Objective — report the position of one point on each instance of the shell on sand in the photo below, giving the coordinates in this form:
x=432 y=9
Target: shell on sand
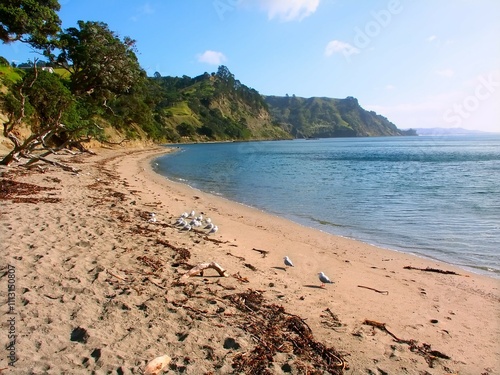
x=156 y=366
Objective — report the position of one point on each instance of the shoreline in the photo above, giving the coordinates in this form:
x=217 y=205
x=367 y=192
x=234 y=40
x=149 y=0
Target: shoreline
x=479 y=270
x=89 y=258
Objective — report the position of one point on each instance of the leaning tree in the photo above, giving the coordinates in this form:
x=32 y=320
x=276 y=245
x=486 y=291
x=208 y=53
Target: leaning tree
x=45 y=103
x=101 y=67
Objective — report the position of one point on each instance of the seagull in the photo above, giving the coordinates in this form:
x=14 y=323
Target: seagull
x=195 y=223
x=210 y=226
x=184 y=215
x=324 y=279
x=152 y=217
x=208 y=220
x=192 y=214
x=180 y=221
x=186 y=227
x=288 y=262
x=214 y=229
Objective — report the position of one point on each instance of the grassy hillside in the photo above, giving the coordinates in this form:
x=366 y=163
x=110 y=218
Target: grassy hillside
x=214 y=107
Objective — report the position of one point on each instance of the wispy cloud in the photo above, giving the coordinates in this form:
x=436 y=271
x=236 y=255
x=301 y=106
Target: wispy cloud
x=431 y=38
x=390 y=87
x=448 y=73
x=337 y=46
x=287 y=10
x=144 y=9
x=212 y=57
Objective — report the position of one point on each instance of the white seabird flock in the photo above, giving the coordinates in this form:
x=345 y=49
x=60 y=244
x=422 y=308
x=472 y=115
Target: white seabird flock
x=186 y=222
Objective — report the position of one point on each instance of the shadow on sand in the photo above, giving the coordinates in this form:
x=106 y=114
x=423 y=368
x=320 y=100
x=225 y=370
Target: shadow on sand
x=314 y=286
x=280 y=268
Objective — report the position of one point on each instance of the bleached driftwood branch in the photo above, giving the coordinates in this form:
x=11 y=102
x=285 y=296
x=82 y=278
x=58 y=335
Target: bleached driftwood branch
x=203 y=266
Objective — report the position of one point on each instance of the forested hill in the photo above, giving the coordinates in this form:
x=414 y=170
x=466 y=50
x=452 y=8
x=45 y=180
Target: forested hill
x=327 y=117
x=213 y=106
x=217 y=106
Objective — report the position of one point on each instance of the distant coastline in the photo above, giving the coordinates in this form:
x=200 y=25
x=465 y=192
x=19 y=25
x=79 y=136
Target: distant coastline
x=450 y=131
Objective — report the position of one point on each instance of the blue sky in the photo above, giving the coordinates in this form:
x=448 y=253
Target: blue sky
x=420 y=63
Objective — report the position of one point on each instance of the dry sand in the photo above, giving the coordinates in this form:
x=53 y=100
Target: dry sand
x=97 y=287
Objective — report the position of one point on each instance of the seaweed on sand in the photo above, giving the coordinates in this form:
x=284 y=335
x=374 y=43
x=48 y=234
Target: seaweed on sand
x=276 y=331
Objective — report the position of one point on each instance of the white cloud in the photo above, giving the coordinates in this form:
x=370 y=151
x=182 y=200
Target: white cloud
x=212 y=57
x=446 y=72
x=287 y=10
x=337 y=46
x=431 y=38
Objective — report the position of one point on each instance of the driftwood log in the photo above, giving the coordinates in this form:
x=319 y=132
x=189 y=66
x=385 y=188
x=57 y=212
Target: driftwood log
x=198 y=269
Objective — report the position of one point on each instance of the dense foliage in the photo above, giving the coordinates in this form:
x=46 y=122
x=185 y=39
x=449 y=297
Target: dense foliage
x=29 y=21
x=101 y=66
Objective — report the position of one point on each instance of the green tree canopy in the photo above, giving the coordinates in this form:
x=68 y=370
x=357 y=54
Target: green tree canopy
x=49 y=97
x=101 y=65
x=29 y=21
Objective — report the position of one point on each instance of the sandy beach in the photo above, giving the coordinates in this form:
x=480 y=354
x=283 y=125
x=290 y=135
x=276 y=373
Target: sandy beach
x=90 y=284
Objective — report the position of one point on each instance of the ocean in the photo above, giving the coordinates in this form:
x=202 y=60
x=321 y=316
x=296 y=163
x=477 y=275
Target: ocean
x=436 y=197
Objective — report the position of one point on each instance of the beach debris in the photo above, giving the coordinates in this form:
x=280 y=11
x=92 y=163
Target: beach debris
x=117 y=276
x=324 y=279
x=240 y=278
x=236 y=256
x=262 y=252
x=248 y=265
x=277 y=331
x=330 y=319
x=288 y=262
x=429 y=269
x=152 y=217
x=157 y=365
x=155 y=264
x=424 y=349
x=214 y=240
x=14 y=190
x=386 y=292
x=198 y=269
x=183 y=254
x=79 y=334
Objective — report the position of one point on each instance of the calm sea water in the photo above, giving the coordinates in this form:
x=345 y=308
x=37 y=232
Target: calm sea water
x=437 y=197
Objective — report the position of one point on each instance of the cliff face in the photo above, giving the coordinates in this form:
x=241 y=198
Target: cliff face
x=328 y=117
